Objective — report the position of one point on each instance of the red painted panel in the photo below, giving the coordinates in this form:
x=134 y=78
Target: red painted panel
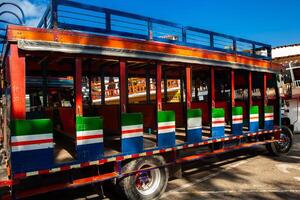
x=232 y=89
x=17 y=82
x=111 y=120
x=223 y=104
x=178 y=109
x=148 y=111
x=243 y=104
x=158 y=87
x=212 y=86
x=123 y=84
x=188 y=85
x=204 y=106
x=265 y=90
x=67 y=120
x=250 y=88
x=78 y=86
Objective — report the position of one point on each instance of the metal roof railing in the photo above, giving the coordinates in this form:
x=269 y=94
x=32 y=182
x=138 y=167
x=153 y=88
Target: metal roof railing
x=67 y=14
x=17 y=13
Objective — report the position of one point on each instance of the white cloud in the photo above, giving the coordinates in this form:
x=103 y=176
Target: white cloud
x=33 y=11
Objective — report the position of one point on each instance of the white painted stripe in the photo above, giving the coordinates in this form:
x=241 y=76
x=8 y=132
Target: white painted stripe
x=218 y=124
x=89 y=133
x=166 y=123
x=218 y=119
x=237 y=122
x=32 y=147
x=23 y=138
x=194 y=122
x=169 y=130
x=193 y=128
x=237 y=117
x=55 y=170
x=254 y=115
x=90 y=141
x=269 y=114
x=131 y=135
x=32 y=173
x=269 y=119
x=132 y=127
x=75 y=166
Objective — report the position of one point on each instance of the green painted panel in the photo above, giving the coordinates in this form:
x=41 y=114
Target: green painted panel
x=194 y=113
x=254 y=110
x=237 y=110
x=218 y=112
x=89 y=123
x=166 y=116
x=269 y=109
x=128 y=119
x=31 y=127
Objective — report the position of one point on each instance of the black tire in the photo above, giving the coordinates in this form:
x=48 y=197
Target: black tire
x=283 y=147
x=157 y=180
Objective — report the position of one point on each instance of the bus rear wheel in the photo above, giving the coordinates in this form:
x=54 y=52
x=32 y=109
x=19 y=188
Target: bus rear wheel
x=144 y=185
x=283 y=146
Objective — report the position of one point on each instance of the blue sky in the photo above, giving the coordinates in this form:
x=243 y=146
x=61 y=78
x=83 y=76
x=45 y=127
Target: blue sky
x=275 y=22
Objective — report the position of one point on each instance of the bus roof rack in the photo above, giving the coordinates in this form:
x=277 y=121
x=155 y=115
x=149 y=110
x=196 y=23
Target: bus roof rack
x=70 y=15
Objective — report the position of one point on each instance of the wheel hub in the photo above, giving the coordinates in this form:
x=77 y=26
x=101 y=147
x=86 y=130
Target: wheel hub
x=147 y=182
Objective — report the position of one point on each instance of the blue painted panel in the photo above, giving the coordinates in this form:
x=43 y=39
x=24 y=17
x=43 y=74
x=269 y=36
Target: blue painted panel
x=237 y=129
x=217 y=132
x=194 y=136
x=166 y=140
x=253 y=126
x=25 y=161
x=269 y=125
x=90 y=152
x=132 y=145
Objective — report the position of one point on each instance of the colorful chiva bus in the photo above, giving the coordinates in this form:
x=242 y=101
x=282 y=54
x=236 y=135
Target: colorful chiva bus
x=98 y=103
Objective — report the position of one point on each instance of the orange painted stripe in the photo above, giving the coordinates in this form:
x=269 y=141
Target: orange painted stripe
x=71 y=37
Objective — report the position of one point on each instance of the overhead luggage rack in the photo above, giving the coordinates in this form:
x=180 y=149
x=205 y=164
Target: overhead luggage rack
x=70 y=15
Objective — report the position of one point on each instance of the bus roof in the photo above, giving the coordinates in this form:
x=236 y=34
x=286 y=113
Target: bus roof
x=73 y=27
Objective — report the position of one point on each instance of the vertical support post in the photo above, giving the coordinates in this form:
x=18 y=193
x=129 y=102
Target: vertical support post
x=17 y=76
x=123 y=85
x=250 y=89
x=232 y=89
x=102 y=87
x=265 y=90
x=54 y=14
x=78 y=86
x=148 y=85
x=158 y=87
x=188 y=85
x=212 y=87
x=234 y=46
x=45 y=85
x=211 y=38
x=253 y=110
x=90 y=90
x=165 y=88
x=108 y=22
x=183 y=35
x=150 y=31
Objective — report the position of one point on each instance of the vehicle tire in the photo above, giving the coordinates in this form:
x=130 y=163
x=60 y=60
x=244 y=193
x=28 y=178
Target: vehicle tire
x=283 y=146
x=144 y=185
